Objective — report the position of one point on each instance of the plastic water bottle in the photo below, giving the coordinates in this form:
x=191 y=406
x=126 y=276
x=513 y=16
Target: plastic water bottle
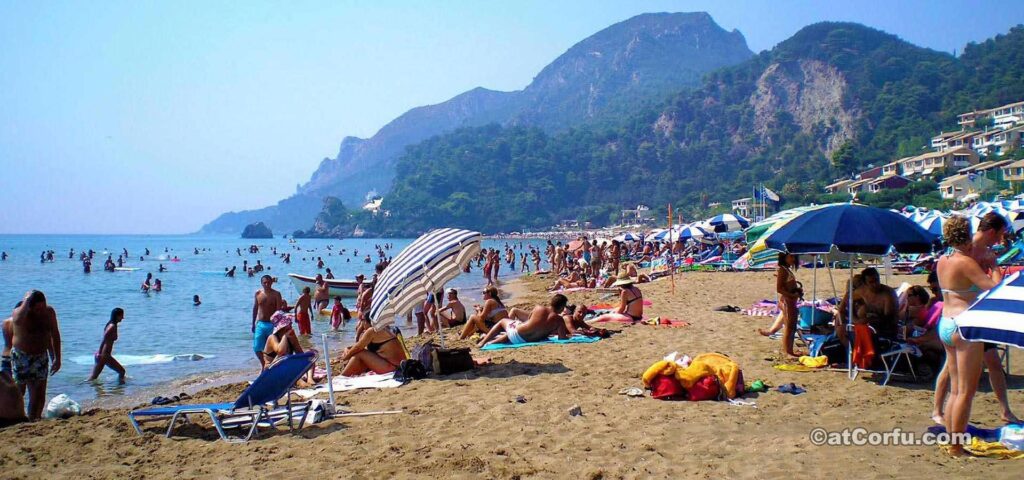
x=1012 y=437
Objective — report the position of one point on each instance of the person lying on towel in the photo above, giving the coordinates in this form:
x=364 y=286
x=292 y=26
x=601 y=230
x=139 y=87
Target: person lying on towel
x=539 y=324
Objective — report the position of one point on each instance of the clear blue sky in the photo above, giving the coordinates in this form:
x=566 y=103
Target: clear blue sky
x=154 y=117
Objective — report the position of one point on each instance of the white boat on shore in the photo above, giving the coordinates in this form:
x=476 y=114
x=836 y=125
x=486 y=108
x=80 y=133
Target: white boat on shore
x=339 y=288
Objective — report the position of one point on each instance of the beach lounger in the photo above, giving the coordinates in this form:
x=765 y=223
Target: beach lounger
x=256 y=406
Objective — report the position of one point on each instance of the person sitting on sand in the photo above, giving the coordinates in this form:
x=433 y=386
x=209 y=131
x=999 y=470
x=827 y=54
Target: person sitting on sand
x=842 y=317
x=379 y=351
x=877 y=304
x=542 y=322
x=283 y=342
x=631 y=303
x=487 y=315
x=630 y=271
x=454 y=313
x=104 y=355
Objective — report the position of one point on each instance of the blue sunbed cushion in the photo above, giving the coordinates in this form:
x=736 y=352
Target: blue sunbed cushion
x=172 y=409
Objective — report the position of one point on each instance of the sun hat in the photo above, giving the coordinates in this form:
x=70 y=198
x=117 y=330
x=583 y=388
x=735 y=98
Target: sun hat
x=281 y=320
x=623 y=282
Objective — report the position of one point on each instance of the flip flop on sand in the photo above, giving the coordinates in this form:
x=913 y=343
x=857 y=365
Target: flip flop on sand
x=790 y=388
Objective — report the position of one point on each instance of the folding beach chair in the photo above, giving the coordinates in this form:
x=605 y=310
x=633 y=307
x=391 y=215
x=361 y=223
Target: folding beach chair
x=897 y=351
x=256 y=406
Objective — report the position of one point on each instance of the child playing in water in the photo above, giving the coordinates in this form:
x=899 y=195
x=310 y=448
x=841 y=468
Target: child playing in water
x=339 y=314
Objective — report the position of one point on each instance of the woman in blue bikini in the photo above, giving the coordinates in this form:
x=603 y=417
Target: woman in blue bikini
x=961 y=280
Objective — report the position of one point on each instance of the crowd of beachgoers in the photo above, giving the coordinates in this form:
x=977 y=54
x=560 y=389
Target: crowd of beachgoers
x=870 y=318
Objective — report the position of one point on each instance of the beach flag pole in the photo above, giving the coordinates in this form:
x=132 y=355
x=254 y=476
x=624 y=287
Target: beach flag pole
x=672 y=266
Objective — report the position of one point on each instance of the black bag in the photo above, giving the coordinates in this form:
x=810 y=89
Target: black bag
x=410 y=370
x=835 y=351
x=451 y=360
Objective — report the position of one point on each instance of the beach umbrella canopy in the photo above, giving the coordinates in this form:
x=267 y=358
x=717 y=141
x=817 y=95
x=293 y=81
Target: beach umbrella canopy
x=728 y=222
x=997 y=316
x=851 y=228
x=933 y=224
x=433 y=259
x=690 y=232
x=628 y=237
x=661 y=234
x=1017 y=220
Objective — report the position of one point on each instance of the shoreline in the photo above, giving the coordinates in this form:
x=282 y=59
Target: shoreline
x=513 y=290
x=509 y=418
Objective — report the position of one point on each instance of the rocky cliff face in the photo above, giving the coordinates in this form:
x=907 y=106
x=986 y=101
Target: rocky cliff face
x=366 y=164
x=812 y=95
x=642 y=59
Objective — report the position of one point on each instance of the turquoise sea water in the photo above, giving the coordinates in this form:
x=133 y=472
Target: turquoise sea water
x=164 y=338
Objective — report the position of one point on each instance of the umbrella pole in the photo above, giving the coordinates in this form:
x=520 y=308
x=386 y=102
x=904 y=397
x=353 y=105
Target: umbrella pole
x=849 y=325
x=330 y=384
x=835 y=292
x=814 y=283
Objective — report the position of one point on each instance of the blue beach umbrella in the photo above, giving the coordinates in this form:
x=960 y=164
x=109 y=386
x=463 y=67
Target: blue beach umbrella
x=997 y=316
x=426 y=265
x=851 y=228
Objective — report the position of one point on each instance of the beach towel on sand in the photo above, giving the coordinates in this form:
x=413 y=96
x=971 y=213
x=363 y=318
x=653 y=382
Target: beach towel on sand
x=342 y=384
x=550 y=341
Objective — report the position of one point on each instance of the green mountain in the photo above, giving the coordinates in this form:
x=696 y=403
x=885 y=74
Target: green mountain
x=639 y=61
x=825 y=103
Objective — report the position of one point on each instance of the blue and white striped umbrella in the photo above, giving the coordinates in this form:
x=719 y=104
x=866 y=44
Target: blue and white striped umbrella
x=690 y=232
x=933 y=224
x=628 y=237
x=728 y=222
x=424 y=266
x=997 y=316
x=661 y=234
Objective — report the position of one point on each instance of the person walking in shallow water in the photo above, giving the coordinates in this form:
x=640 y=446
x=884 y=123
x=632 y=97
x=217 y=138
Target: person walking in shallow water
x=104 y=355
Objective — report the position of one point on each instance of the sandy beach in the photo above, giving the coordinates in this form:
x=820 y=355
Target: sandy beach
x=471 y=426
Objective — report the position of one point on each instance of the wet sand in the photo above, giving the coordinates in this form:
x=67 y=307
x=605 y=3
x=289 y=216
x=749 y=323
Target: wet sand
x=471 y=426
